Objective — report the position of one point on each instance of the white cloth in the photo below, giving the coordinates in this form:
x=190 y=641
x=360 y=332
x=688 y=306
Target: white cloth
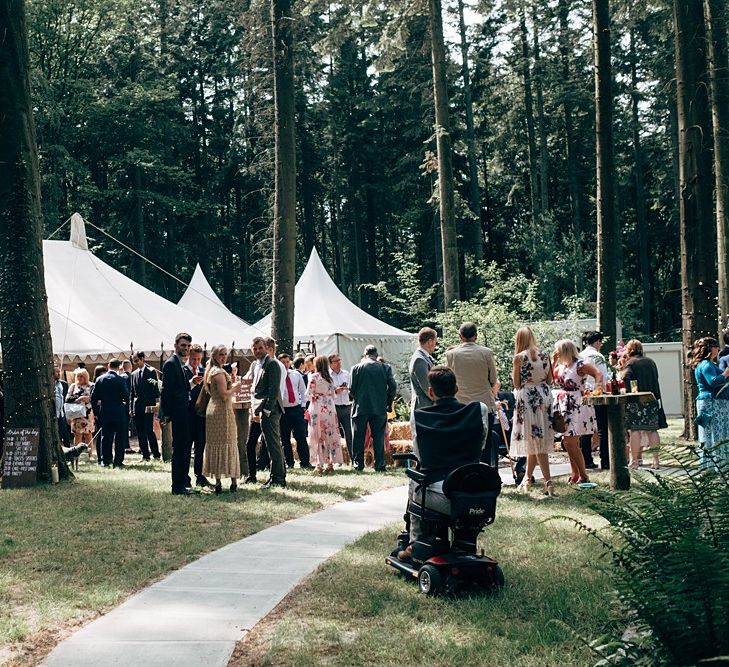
x=341 y=397
x=59 y=399
x=297 y=384
x=485 y=420
x=282 y=385
x=591 y=356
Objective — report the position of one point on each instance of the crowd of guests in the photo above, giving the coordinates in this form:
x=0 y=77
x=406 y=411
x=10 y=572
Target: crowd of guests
x=238 y=425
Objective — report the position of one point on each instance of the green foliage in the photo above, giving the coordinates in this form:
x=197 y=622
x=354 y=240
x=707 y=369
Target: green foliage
x=669 y=542
x=504 y=303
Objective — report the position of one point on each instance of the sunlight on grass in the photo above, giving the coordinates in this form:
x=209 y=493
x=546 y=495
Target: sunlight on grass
x=77 y=549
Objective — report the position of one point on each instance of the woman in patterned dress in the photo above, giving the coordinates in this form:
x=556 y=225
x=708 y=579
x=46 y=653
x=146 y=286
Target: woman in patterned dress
x=532 y=436
x=220 y=458
x=80 y=392
x=713 y=412
x=325 y=445
x=570 y=373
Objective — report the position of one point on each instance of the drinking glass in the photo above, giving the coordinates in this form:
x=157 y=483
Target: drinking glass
x=634 y=386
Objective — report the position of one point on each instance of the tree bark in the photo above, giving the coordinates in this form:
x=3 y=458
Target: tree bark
x=449 y=239
x=716 y=34
x=474 y=193
x=697 y=229
x=24 y=324
x=607 y=228
x=572 y=184
x=284 y=226
x=139 y=268
x=529 y=117
x=541 y=124
x=640 y=208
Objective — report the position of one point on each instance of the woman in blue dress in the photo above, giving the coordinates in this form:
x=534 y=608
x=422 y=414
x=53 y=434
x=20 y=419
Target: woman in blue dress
x=712 y=404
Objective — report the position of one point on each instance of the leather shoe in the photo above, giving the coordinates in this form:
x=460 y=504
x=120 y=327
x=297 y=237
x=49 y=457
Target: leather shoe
x=308 y=466
x=406 y=553
x=250 y=480
x=202 y=481
x=187 y=491
x=270 y=484
x=119 y=465
x=591 y=466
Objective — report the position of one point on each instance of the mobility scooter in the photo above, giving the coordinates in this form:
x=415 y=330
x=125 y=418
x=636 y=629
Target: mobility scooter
x=445 y=559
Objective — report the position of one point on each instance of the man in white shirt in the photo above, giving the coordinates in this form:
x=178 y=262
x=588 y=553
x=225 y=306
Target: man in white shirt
x=342 y=401
x=592 y=343
x=292 y=420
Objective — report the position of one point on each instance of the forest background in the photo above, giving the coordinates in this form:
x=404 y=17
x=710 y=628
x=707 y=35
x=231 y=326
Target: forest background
x=155 y=121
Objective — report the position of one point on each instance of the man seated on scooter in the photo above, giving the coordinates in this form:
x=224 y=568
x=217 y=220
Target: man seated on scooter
x=450 y=434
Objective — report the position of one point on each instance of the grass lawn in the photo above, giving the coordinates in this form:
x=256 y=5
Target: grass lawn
x=72 y=551
x=356 y=611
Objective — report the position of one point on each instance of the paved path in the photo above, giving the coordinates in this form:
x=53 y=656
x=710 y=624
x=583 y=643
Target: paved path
x=196 y=615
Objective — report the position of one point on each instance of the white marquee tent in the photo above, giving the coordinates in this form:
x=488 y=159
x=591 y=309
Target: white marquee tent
x=324 y=315
x=97 y=312
x=200 y=298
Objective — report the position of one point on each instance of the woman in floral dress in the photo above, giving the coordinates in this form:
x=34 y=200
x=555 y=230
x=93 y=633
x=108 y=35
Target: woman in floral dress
x=80 y=392
x=532 y=436
x=325 y=445
x=570 y=372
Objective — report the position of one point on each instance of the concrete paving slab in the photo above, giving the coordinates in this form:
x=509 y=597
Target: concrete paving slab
x=148 y=654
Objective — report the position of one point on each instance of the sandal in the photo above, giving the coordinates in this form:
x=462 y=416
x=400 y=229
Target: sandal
x=549 y=488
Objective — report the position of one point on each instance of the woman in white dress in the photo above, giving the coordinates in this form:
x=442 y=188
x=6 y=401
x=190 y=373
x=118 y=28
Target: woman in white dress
x=532 y=434
x=570 y=374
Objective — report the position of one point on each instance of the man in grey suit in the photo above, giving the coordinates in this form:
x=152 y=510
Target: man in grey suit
x=476 y=376
x=373 y=390
x=267 y=408
x=420 y=364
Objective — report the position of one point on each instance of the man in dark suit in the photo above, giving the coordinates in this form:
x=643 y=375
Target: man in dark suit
x=144 y=395
x=267 y=408
x=111 y=396
x=373 y=391
x=175 y=402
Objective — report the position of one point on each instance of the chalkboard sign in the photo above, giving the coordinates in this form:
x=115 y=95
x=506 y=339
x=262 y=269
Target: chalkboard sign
x=20 y=459
x=243 y=395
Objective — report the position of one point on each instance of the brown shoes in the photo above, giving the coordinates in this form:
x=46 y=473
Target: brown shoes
x=406 y=553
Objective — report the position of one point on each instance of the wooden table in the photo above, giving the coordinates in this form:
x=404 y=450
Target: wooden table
x=619 y=473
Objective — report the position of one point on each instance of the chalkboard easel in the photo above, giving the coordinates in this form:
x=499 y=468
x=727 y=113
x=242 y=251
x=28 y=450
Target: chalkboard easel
x=20 y=458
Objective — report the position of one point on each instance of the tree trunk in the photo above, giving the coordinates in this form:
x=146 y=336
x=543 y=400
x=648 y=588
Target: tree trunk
x=607 y=228
x=24 y=324
x=449 y=239
x=640 y=208
x=697 y=229
x=529 y=113
x=572 y=184
x=487 y=212
x=307 y=189
x=284 y=226
x=476 y=235
x=716 y=34
x=139 y=269
x=541 y=125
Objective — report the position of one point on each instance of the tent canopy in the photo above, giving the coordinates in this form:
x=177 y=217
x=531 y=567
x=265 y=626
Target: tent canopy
x=97 y=312
x=201 y=299
x=323 y=314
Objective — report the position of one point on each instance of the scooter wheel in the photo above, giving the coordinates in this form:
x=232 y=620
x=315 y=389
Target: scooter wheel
x=499 y=577
x=429 y=580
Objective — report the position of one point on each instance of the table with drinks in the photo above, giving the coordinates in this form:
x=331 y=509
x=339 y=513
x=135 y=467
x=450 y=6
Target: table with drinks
x=615 y=398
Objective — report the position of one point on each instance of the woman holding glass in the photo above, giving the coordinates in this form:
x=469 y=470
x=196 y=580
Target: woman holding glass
x=642 y=419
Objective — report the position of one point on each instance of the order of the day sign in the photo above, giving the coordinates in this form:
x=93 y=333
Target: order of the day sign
x=20 y=458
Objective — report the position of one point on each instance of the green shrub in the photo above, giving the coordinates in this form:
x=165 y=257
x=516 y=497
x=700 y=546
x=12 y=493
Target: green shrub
x=669 y=541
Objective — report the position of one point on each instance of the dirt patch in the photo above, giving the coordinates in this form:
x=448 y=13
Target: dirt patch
x=37 y=646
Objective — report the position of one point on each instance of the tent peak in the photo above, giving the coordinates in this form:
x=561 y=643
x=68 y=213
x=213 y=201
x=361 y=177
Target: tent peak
x=78 y=232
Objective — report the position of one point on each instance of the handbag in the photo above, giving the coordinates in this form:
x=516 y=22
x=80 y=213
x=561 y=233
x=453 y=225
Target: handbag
x=559 y=423
x=201 y=404
x=75 y=411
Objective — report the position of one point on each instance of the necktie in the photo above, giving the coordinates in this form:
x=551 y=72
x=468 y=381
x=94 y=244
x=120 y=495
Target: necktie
x=290 y=389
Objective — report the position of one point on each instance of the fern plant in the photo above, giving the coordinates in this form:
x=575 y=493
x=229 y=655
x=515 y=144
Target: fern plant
x=669 y=541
